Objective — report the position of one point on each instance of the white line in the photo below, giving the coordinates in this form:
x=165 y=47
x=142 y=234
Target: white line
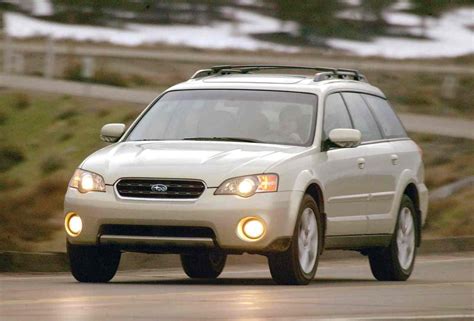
x=405 y=317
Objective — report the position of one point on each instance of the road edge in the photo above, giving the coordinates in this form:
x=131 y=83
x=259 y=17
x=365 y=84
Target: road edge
x=13 y=261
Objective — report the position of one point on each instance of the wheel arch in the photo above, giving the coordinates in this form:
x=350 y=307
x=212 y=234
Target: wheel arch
x=315 y=191
x=412 y=192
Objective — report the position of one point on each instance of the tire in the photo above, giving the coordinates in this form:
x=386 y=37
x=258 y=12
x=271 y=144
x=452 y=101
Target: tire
x=203 y=266
x=93 y=264
x=396 y=262
x=286 y=267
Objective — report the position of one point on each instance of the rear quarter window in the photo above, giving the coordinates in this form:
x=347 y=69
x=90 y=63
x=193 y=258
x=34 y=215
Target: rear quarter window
x=388 y=121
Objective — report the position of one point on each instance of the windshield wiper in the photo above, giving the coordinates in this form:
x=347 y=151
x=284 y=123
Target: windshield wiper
x=227 y=139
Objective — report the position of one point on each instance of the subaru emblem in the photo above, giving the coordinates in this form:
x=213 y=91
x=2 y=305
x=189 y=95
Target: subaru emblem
x=159 y=188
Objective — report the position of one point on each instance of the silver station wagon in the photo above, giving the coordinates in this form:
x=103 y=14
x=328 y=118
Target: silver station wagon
x=241 y=159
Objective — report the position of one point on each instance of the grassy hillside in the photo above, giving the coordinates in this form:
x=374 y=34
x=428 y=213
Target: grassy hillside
x=45 y=137
x=447 y=160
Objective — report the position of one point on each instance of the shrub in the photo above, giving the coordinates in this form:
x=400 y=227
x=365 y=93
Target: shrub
x=103 y=112
x=67 y=114
x=65 y=136
x=73 y=71
x=3 y=118
x=9 y=157
x=22 y=101
x=7 y=184
x=104 y=76
x=27 y=217
x=51 y=164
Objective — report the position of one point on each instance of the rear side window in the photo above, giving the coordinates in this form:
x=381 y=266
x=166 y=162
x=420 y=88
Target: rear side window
x=362 y=117
x=388 y=120
x=335 y=114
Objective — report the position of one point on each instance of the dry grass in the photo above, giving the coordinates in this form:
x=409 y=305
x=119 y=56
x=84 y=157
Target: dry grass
x=446 y=159
x=41 y=146
x=28 y=217
x=452 y=216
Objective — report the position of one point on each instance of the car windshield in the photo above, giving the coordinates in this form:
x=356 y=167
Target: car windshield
x=253 y=116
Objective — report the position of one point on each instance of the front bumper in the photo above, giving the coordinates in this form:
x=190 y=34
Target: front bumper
x=221 y=213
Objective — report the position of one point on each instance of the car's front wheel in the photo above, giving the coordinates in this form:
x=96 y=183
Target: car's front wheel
x=298 y=264
x=93 y=264
x=203 y=266
x=396 y=262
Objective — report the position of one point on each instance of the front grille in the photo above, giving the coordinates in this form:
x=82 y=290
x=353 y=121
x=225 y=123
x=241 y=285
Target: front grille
x=153 y=188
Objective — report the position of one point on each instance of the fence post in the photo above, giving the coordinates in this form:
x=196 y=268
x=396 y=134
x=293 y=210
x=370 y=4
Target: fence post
x=7 y=54
x=18 y=65
x=87 y=67
x=50 y=58
x=449 y=87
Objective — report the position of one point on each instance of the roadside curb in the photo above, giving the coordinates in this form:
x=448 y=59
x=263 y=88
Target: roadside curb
x=12 y=261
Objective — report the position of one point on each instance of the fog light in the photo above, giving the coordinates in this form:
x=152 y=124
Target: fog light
x=73 y=224
x=251 y=229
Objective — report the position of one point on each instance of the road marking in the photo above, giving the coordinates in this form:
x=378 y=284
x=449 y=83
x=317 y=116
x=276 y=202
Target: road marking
x=402 y=317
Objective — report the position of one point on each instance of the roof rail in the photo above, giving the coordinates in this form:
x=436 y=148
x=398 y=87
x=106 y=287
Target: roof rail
x=324 y=73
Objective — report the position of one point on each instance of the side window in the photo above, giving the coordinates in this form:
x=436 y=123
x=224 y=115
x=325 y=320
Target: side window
x=362 y=117
x=388 y=120
x=335 y=115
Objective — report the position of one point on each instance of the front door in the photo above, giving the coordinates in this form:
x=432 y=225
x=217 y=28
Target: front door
x=343 y=175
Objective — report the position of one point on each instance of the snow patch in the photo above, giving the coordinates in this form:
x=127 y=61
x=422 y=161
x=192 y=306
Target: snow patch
x=221 y=35
x=448 y=37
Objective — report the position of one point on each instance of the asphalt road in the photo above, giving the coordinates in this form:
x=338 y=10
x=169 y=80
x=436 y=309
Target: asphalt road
x=442 y=287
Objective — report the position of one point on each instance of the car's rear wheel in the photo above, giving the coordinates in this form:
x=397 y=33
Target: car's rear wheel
x=298 y=264
x=203 y=266
x=93 y=264
x=396 y=262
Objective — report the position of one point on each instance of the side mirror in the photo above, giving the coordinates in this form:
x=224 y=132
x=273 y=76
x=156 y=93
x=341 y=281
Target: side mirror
x=345 y=137
x=111 y=133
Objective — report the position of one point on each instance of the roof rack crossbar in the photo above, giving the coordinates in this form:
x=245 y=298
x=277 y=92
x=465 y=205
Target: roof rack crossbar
x=263 y=67
x=355 y=72
x=323 y=72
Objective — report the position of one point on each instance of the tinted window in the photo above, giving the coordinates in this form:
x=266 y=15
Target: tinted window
x=264 y=116
x=335 y=115
x=388 y=121
x=362 y=117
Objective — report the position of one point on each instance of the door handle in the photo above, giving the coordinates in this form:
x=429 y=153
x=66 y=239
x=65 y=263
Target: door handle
x=394 y=159
x=361 y=163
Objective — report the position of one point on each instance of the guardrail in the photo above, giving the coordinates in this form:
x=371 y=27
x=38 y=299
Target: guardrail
x=14 y=58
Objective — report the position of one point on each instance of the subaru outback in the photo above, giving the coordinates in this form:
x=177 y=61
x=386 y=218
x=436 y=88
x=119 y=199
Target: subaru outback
x=241 y=159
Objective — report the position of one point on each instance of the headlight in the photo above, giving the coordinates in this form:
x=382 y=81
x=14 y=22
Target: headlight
x=246 y=186
x=86 y=181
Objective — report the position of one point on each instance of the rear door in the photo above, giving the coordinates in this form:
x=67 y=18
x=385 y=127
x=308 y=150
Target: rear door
x=381 y=220
x=380 y=184
x=343 y=174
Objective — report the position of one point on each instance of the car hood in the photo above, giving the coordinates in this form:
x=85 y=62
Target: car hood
x=212 y=162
